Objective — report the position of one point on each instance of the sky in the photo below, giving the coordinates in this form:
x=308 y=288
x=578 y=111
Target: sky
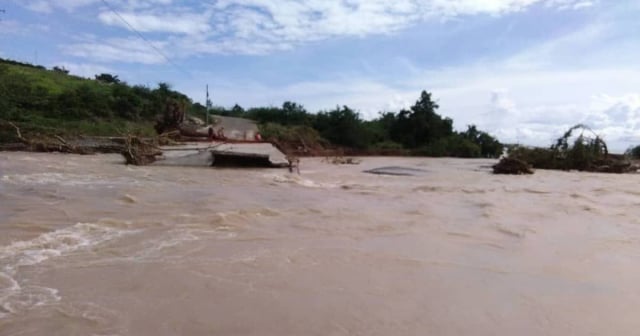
x=523 y=70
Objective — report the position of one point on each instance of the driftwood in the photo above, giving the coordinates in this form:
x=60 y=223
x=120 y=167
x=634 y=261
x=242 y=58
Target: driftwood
x=138 y=152
x=36 y=142
x=54 y=143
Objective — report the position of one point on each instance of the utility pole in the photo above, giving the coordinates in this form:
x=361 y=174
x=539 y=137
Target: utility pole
x=208 y=103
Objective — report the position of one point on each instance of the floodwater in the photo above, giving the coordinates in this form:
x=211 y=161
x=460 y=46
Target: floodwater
x=89 y=246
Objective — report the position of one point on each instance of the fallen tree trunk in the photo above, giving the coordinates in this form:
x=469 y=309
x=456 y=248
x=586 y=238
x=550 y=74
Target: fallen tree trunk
x=43 y=144
x=38 y=142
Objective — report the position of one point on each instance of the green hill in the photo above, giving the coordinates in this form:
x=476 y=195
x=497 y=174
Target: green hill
x=39 y=100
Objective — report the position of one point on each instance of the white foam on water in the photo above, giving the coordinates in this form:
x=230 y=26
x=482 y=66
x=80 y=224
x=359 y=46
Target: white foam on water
x=13 y=296
x=64 y=179
x=8 y=287
x=172 y=239
x=55 y=243
x=298 y=180
x=164 y=247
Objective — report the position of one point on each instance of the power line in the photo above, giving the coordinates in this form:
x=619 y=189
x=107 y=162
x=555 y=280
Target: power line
x=156 y=49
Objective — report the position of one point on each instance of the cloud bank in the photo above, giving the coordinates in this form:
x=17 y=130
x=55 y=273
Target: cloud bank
x=264 y=26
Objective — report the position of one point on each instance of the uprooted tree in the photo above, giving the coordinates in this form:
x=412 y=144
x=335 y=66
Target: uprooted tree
x=580 y=148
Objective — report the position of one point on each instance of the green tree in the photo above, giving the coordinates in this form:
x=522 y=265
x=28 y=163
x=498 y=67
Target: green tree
x=237 y=111
x=61 y=70
x=421 y=125
x=489 y=146
x=107 y=78
x=342 y=126
x=379 y=129
x=198 y=110
x=294 y=114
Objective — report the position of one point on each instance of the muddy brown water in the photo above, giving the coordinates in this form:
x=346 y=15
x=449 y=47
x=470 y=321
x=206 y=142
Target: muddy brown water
x=89 y=246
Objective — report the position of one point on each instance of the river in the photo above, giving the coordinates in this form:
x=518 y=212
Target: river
x=89 y=246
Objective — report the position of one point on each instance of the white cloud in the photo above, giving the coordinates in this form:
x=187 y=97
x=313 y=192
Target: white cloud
x=264 y=26
x=47 y=6
x=117 y=50
x=570 y=4
x=564 y=48
x=472 y=7
x=39 y=6
x=621 y=111
x=559 y=101
x=293 y=22
x=12 y=27
x=148 y=22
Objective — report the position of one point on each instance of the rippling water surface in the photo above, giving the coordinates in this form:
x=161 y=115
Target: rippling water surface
x=89 y=246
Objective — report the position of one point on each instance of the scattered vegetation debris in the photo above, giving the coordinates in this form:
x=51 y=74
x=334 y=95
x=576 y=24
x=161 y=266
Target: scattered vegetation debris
x=139 y=152
x=341 y=160
x=511 y=166
x=39 y=142
x=580 y=148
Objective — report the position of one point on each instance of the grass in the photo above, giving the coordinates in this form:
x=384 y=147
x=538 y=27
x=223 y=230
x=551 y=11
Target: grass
x=73 y=128
x=53 y=82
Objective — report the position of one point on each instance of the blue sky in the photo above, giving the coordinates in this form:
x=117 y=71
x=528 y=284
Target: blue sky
x=524 y=70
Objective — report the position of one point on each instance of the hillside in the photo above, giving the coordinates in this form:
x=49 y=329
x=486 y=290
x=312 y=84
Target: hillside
x=53 y=102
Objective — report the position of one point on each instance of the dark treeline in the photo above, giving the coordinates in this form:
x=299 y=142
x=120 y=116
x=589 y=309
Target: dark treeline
x=34 y=95
x=419 y=129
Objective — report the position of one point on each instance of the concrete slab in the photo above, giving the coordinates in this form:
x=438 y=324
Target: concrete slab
x=201 y=153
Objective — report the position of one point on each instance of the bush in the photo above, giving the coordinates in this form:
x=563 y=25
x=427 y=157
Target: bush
x=451 y=146
x=388 y=145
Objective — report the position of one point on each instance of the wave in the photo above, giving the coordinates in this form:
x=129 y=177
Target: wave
x=298 y=180
x=13 y=296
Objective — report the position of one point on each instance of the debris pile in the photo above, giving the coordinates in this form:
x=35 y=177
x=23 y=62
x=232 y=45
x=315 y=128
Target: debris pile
x=139 y=152
x=580 y=148
x=511 y=166
x=341 y=160
x=35 y=141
